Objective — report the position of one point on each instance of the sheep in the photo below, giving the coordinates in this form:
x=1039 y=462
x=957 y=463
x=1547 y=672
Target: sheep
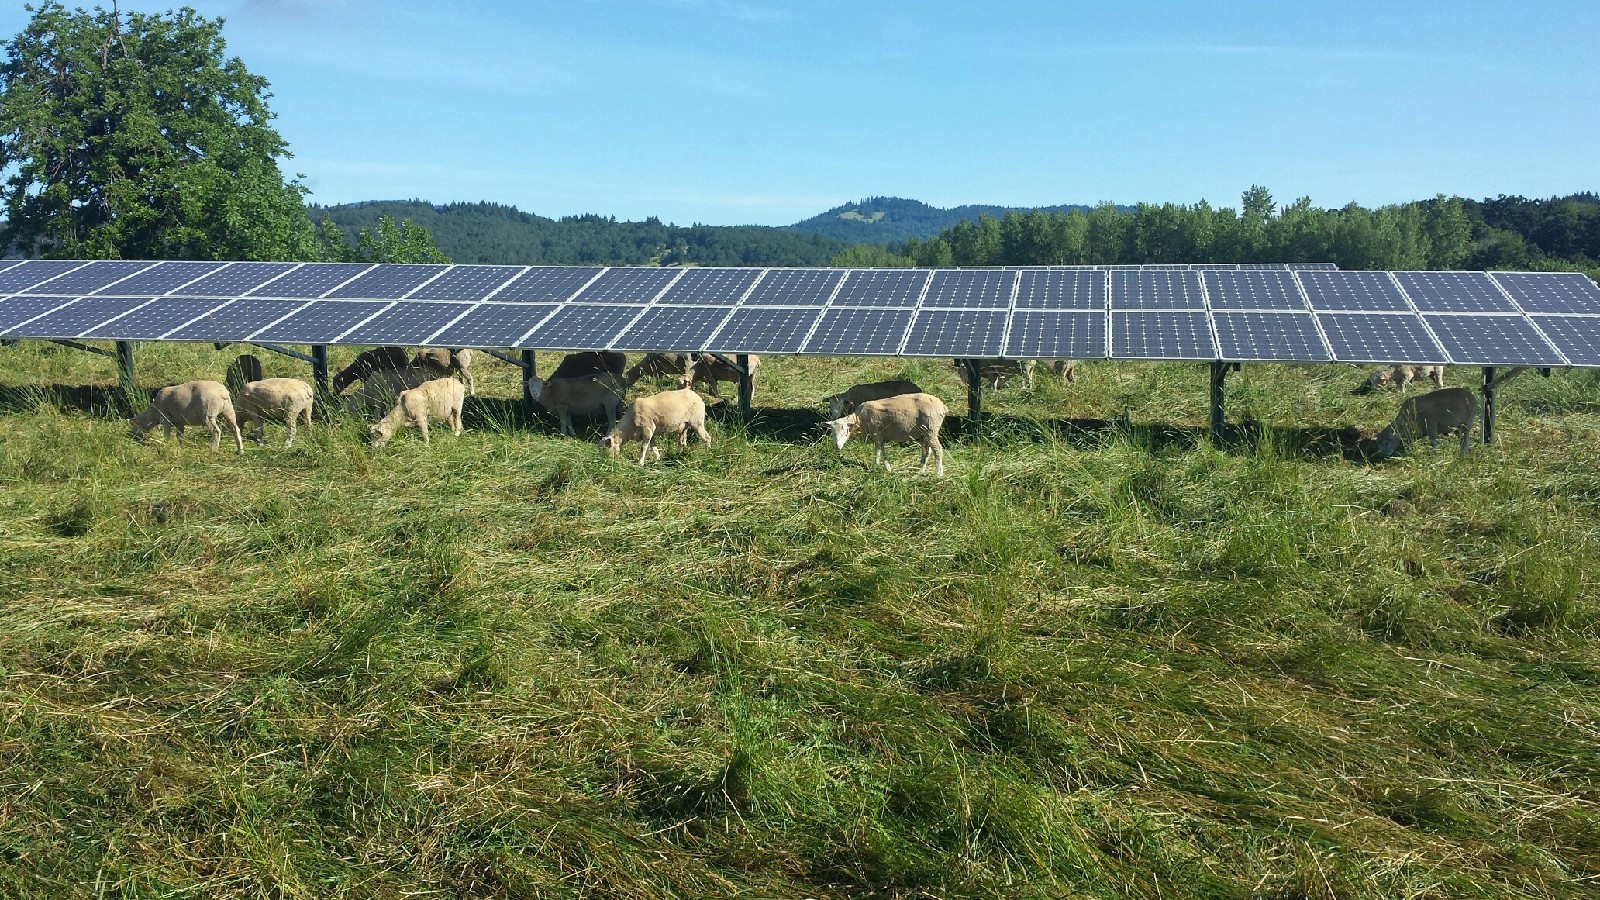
x=243 y=370
x=839 y=404
x=586 y=395
x=191 y=403
x=379 y=388
x=1433 y=414
x=1402 y=375
x=1067 y=369
x=590 y=362
x=663 y=413
x=995 y=372
x=448 y=362
x=915 y=417
x=440 y=398
x=708 y=370
x=286 y=400
x=378 y=359
x=657 y=364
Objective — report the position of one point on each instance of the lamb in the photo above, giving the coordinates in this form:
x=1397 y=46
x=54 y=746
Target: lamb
x=663 y=413
x=378 y=359
x=1433 y=414
x=457 y=363
x=1402 y=375
x=191 y=403
x=587 y=395
x=657 y=364
x=243 y=370
x=286 y=400
x=995 y=372
x=379 y=388
x=590 y=362
x=440 y=398
x=915 y=417
x=708 y=370
x=839 y=404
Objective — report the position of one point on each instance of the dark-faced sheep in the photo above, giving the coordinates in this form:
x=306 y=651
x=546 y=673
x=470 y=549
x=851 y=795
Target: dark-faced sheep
x=908 y=417
x=1430 y=415
x=377 y=359
x=244 y=369
x=192 y=403
x=590 y=362
x=666 y=413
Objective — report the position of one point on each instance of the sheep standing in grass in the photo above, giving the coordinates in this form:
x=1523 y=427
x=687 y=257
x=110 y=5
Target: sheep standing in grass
x=908 y=417
x=191 y=403
x=456 y=363
x=1430 y=415
x=379 y=388
x=669 y=412
x=378 y=359
x=439 y=399
x=839 y=404
x=995 y=372
x=585 y=395
x=708 y=370
x=285 y=400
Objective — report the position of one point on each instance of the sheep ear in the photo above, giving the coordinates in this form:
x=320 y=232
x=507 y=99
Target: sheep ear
x=849 y=407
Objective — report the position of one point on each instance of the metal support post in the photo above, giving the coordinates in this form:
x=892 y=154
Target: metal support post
x=974 y=380
x=1488 y=404
x=746 y=385
x=319 y=367
x=1219 y=376
x=530 y=368
x=125 y=368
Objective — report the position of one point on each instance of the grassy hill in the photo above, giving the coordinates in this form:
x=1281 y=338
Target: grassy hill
x=886 y=220
x=1101 y=657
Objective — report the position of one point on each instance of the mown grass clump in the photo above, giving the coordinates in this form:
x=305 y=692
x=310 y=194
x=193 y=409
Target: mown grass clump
x=1102 y=657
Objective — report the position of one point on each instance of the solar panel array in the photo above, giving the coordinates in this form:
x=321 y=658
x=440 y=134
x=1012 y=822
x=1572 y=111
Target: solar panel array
x=1298 y=313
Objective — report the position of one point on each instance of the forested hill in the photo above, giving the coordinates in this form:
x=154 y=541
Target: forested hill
x=885 y=220
x=495 y=233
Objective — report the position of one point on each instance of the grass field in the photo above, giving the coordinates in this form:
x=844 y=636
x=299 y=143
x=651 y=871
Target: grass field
x=1101 y=657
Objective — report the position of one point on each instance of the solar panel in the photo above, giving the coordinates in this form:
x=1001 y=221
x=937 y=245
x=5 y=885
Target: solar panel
x=859 y=332
x=882 y=287
x=1545 y=292
x=546 y=284
x=795 y=287
x=494 y=325
x=1056 y=335
x=466 y=283
x=72 y=321
x=1466 y=292
x=1156 y=290
x=1277 y=336
x=235 y=321
x=8 y=263
x=1577 y=337
x=579 y=326
x=89 y=278
x=387 y=282
x=161 y=278
x=970 y=289
x=1497 y=340
x=668 y=328
x=405 y=323
x=1368 y=291
x=1254 y=289
x=956 y=332
x=712 y=287
x=236 y=279
x=16 y=310
x=154 y=320
x=1171 y=334
x=1379 y=338
x=309 y=280
x=1062 y=290
x=320 y=323
x=766 y=329
x=627 y=286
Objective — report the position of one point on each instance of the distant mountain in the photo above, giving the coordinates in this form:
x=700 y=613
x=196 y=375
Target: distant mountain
x=887 y=220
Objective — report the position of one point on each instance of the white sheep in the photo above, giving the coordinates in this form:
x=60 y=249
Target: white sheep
x=665 y=413
x=191 y=403
x=585 y=395
x=839 y=404
x=440 y=398
x=908 y=417
x=1430 y=415
x=286 y=400
x=708 y=370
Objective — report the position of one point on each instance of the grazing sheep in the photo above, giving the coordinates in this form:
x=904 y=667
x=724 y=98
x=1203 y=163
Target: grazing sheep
x=191 y=403
x=457 y=363
x=440 y=398
x=590 y=362
x=995 y=372
x=1430 y=415
x=1067 y=369
x=839 y=404
x=243 y=370
x=585 y=395
x=1401 y=375
x=708 y=370
x=915 y=417
x=663 y=413
x=379 y=388
x=378 y=359
x=285 y=400
x=655 y=365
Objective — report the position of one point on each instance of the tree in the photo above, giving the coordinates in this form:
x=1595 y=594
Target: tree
x=134 y=136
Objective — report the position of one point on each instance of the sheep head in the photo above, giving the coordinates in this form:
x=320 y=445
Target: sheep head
x=843 y=427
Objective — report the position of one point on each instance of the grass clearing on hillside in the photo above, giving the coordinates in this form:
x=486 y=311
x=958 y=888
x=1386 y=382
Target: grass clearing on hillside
x=1100 y=657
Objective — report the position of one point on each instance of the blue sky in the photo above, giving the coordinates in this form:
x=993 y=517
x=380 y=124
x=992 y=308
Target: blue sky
x=764 y=112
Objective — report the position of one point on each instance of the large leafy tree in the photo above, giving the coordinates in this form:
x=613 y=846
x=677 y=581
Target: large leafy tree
x=133 y=135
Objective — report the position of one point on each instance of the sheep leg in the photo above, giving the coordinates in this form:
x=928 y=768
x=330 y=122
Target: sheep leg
x=422 y=426
x=879 y=456
x=938 y=457
x=229 y=416
x=701 y=432
x=167 y=430
x=1466 y=438
x=216 y=435
x=455 y=421
x=566 y=424
x=292 y=419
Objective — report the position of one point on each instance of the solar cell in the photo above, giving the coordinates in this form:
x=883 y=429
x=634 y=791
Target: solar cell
x=624 y=285
x=72 y=321
x=880 y=287
x=309 y=280
x=89 y=278
x=765 y=329
x=1545 y=292
x=387 y=282
x=161 y=278
x=1156 y=290
x=579 y=326
x=1274 y=336
x=319 y=323
x=1057 y=289
x=466 y=283
x=956 y=332
x=1037 y=334
x=1454 y=292
x=1368 y=291
x=1379 y=338
x=1577 y=337
x=711 y=287
x=235 y=321
x=16 y=310
x=859 y=332
x=151 y=322
x=407 y=322
x=1493 y=340
x=668 y=328
x=236 y=279
x=1172 y=334
x=18 y=278
x=1253 y=289
x=970 y=289
x=546 y=284
x=795 y=287
x=494 y=325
